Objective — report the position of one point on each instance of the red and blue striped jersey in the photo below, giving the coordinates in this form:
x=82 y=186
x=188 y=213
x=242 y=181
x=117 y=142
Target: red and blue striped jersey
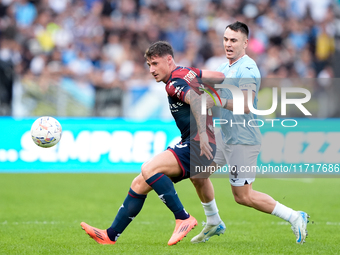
x=183 y=79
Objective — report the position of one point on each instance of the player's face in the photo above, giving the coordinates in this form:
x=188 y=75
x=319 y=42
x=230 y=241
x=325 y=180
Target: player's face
x=159 y=67
x=235 y=44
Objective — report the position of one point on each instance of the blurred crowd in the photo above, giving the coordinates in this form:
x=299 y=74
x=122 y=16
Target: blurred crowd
x=94 y=48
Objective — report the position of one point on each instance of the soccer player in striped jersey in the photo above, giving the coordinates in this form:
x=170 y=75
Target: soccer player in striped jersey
x=196 y=148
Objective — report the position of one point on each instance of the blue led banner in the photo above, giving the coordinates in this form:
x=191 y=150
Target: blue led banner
x=87 y=145
x=116 y=145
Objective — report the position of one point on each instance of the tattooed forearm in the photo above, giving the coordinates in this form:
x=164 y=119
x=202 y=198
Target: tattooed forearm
x=195 y=102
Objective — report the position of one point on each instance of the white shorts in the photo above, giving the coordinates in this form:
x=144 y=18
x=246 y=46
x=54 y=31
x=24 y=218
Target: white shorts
x=241 y=160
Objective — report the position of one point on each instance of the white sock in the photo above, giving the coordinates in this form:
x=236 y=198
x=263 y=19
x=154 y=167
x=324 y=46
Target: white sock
x=211 y=211
x=285 y=212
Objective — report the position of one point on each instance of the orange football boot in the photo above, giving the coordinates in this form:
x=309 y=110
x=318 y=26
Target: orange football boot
x=182 y=229
x=100 y=236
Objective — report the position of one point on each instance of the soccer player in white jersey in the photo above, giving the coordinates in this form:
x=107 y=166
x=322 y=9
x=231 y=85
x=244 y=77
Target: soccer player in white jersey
x=239 y=145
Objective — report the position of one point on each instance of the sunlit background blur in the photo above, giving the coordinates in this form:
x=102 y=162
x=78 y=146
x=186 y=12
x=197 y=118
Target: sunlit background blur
x=84 y=58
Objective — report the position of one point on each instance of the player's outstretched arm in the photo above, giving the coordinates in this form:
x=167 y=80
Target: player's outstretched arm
x=212 y=77
x=195 y=102
x=228 y=103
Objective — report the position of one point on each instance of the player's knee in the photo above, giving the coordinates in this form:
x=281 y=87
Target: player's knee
x=147 y=171
x=139 y=185
x=144 y=170
x=242 y=199
x=198 y=182
x=136 y=182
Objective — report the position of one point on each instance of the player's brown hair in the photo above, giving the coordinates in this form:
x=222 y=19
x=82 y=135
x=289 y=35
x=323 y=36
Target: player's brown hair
x=159 y=49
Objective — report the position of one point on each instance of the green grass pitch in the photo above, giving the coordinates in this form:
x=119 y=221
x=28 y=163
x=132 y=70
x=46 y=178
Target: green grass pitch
x=41 y=214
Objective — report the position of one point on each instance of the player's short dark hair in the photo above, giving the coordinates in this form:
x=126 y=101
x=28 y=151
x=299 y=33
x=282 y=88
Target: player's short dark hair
x=159 y=49
x=239 y=26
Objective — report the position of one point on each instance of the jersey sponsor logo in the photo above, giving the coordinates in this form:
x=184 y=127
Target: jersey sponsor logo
x=174 y=107
x=190 y=76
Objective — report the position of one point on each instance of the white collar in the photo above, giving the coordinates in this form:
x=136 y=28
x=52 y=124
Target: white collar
x=238 y=60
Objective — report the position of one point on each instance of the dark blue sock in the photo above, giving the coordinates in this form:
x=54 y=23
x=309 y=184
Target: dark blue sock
x=132 y=205
x=166 y=192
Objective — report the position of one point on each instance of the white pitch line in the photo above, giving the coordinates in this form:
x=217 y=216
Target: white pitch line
x=31 y=222
x=329 y=223
x=333 y=223
x=304 y=180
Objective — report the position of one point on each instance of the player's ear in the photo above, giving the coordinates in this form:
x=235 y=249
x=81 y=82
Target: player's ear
x=169 y=59
x=245 y=45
